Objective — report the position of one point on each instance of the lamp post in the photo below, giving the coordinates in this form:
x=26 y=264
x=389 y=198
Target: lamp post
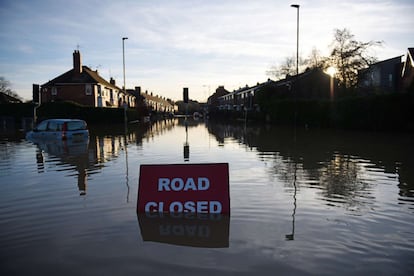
x=296 y=6
x=123 y=63
x=123 y=57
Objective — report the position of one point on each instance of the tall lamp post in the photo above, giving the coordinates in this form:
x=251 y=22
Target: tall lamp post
x=295 y=89
x=123 y=58
x=296 y=6
x=123 y=63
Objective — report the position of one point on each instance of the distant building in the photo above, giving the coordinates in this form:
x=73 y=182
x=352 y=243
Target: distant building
x=407 y=74
x=213 y=101
x=5 y=98
x=241 y=99
x=311 y=84
x=146 y=102
x=85 y=86
x=158 y=104
x=383 y=76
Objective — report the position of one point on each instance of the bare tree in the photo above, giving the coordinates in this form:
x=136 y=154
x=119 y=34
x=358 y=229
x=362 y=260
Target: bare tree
x=316 y=60
x=349 y=55
x=287 y=68
x=5 y=88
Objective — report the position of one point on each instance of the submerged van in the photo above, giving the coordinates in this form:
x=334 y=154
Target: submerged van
x=60 y=129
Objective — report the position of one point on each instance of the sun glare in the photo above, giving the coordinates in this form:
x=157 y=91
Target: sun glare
x=331 y=71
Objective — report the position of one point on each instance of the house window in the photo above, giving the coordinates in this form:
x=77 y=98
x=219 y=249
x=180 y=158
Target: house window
x=88 y=90
x=99 y=90
x=54 y=91
x=390 y=80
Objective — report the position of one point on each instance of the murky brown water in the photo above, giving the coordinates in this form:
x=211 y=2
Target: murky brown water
x=302 y=202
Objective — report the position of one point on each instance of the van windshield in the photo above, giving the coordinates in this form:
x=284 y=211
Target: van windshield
x=76 y=125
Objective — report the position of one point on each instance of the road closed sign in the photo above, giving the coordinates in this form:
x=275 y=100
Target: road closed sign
x=184 y=188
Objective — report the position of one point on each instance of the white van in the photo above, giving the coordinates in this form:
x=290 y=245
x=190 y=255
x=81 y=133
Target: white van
x=60 y=129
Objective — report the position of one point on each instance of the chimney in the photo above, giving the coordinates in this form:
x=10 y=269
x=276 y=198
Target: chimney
x=112 y=81
x=138 y=90
x=77 y=63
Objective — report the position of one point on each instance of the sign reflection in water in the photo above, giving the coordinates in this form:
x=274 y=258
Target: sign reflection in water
x=333 y=202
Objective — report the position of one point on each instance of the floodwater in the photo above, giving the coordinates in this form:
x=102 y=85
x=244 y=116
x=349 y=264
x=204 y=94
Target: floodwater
x=303 y=202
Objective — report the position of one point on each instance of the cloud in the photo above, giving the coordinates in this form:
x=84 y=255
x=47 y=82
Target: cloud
x=173 y=42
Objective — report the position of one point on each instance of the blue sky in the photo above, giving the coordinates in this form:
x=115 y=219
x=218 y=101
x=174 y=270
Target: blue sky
x=177 y=43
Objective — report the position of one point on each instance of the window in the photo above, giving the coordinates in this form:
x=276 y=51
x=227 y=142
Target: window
x=88 y=89
x=390 y=80
x=99 y=90
x=42 y=126
x=52 y=126
x=76 y=125
x=54 y=91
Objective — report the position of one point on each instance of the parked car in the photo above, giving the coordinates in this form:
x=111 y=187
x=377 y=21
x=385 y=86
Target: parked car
x=59 y=129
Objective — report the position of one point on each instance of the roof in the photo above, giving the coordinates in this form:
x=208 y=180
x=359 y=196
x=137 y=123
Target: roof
x=397 y=59
x=87 y=76
x=307 y=73
x=155 y=99
x=4 y=98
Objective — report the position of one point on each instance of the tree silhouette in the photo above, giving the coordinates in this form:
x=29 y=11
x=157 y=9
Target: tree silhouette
x=287 y=68
x=5 y=88
x=349 y=55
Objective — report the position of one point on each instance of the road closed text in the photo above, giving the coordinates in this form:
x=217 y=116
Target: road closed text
x=179 y=184
x=212 y=207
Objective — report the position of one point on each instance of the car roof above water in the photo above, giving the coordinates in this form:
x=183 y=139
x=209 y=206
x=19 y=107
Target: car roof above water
x=65 y=120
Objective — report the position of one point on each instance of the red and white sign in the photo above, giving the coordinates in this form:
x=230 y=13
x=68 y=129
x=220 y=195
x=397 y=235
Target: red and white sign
x=184 y=188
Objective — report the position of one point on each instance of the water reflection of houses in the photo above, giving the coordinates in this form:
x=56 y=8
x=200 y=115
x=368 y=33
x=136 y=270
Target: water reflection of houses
x=338 y=162
x=108 y=144
x=159 y=127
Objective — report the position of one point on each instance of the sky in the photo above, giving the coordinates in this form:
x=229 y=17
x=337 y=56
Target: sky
x=172 y=44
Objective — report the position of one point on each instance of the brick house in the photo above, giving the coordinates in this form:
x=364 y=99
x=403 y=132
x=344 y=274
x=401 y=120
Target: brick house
x=213 y=100
x=383 y=76
x=85 y=86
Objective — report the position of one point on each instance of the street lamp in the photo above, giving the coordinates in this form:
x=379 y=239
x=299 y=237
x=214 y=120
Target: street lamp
x=296 y=6
x=123 y=57
x=123 y=62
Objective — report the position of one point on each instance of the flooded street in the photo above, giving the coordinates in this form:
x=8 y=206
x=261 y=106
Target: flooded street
x=323 y=202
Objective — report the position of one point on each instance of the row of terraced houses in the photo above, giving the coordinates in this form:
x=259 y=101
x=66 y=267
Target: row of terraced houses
x=388 y=76
x=85 y=86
